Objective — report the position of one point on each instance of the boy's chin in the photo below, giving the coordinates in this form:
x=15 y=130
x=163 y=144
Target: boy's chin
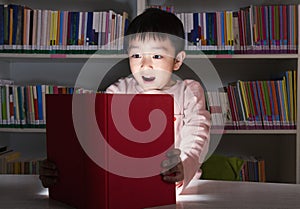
x=157 y=86
x=153 y=91
x=148 y=89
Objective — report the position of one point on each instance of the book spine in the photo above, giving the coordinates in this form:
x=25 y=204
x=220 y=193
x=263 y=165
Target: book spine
x=39 y=104
x=21 y=105
x=1 y=26
x=16 y=107
x=240 y=107
x=267 y=103
x=271 y=101
x=244 y=103
x=258 y=116
x=61 y=29
x=3 y=105
x=11 y=106
x=285 y=103
x=233 y=108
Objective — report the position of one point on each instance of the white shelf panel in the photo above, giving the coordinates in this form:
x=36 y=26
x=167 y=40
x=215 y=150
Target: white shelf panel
x=16 y=56
x=23 y=130
x=244 y=56
x=255 y=131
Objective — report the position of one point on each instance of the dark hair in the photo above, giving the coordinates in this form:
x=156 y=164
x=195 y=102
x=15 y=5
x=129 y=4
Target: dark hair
x=160 y=24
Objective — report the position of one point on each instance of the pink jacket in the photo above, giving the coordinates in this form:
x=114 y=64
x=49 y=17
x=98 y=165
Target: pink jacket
x=192 y=121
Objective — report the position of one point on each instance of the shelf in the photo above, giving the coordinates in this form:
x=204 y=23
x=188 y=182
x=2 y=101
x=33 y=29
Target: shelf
x=244 y=56
x=108 y=55
x=255 y=131
x=23 y=130
x=285 y=131
x=30 y=57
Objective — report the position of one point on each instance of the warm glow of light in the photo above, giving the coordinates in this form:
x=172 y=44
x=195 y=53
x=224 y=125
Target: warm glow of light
x=43 y=192
x=194 y=198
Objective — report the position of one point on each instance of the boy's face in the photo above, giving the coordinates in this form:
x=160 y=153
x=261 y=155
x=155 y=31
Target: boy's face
x=152 y=62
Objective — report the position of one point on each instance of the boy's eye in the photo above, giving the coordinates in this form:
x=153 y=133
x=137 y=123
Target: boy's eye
x=136 y=56
x=157 y=56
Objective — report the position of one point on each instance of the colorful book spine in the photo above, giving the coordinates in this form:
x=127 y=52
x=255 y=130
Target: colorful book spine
x=232 y=103
x=258 y=114
x=1 y=26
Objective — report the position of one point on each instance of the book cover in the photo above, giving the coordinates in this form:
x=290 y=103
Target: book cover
x=122 y=172
x=266 y=97
x=89 y=33
x=245 y=103
x=286 y=102
x=262 y=104
x=39 y=95
x=1 y=26
x=240 y=108
x=275 y=103
x=225 y=104
x=251 y=103
x=232 y=104
x=271 y=102
x=290 y=96
x=257 y=106
x=5 y=25
x=5 y=157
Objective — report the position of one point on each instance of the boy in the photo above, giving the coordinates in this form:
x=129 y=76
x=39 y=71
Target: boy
x=156 y=49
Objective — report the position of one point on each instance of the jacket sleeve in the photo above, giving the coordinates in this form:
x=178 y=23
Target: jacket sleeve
x=194 y=133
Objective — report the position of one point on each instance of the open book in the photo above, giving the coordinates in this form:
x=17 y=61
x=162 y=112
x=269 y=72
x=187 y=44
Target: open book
x=108 y=149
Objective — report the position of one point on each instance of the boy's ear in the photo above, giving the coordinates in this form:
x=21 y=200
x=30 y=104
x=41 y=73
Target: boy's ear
x=179 y=60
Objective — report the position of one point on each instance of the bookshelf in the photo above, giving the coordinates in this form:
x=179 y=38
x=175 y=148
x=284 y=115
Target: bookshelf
x=51 y=68
x=281 y=148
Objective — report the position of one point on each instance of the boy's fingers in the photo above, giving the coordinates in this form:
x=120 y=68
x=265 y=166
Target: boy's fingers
x=173 y=152
x=48 y=172
x=170 y=162
x=47 y=164
x=173 y=179
x=174 y=174
x=47 y=181
x=174 y=169
x=47 y=168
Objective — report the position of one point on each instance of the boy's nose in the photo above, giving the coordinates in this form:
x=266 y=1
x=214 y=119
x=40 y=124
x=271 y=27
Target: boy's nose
x=147 y=62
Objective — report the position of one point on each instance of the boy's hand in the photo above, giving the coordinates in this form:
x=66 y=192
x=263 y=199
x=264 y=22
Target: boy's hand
x=173 y=167
x=48 y=173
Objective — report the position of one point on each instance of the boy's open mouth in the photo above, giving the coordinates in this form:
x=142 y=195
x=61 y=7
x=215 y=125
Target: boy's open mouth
x=148 y=78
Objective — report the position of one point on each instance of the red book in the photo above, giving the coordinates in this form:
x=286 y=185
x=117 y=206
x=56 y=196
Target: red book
x=108 y=149
x=35 y=106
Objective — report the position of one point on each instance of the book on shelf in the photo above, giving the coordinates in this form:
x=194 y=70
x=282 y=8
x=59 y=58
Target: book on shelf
x=225 y=107
x=7 y=157
x=73 y=146
x=23 y=165
x=260 y=29
x=252 y=29
x=213 y=100
x=257 y=104
x=253 y=169
x=25 y=106
x=12 y=162
x=27 y=30
x=234 y=168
